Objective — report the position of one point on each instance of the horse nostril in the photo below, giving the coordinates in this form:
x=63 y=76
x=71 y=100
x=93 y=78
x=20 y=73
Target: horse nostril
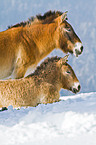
x=81 y=48
x=79 y=87
x=74 y=90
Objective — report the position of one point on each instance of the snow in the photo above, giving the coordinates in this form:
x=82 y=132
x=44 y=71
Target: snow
x=71 y=121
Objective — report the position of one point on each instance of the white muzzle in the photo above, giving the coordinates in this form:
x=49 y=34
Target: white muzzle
x=78 y=48
x=76 y=87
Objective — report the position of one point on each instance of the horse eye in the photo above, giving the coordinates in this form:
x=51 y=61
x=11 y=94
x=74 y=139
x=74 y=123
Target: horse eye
x=69 y=29
x=68 y=72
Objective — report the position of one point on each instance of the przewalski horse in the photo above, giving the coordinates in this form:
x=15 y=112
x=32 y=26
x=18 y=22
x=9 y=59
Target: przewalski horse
x=24 y=45
x=42 y=86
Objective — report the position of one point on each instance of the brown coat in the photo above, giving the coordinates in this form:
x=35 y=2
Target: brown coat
x=24 y=45
x=42 y=86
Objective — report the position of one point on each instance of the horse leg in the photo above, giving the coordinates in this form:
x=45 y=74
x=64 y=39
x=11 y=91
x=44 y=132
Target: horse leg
x=3 y=109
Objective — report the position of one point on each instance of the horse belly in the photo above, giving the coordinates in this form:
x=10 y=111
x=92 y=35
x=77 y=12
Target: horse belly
x=6 y=69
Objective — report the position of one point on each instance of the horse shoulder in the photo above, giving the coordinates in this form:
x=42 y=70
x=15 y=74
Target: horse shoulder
x=49 y=93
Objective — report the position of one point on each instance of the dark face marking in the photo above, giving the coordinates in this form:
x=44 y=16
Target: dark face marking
x=68 y=39
x=69 y=79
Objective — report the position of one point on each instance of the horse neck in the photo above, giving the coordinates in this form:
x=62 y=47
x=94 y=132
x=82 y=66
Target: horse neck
x=43 y=37
x=50 y=74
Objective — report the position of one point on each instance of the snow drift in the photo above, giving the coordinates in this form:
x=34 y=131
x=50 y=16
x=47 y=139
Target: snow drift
x=71 y=121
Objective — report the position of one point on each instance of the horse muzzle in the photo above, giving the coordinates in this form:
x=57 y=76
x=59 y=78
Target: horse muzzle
x=78 y=49
x=76 y=87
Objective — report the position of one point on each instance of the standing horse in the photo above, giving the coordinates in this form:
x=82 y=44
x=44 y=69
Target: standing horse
x=24 y=45
x=42 y=86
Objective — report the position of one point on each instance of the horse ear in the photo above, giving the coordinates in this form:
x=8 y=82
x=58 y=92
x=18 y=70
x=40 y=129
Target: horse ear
x=64 y=16
x=61 y=18
x=64 y=59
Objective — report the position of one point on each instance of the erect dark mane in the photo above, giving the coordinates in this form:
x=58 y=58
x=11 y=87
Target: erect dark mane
x=48 y=17
x=44 y=64
x=28 y=22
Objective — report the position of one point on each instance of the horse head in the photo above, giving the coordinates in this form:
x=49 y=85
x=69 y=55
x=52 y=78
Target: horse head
x=68 y=78
x=67 y=39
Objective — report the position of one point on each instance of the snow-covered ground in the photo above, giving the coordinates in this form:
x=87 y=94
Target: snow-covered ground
x=72 y=121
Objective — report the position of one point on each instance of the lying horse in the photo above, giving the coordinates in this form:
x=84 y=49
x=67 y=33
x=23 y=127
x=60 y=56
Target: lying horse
x=24 y=45
x=42 y=86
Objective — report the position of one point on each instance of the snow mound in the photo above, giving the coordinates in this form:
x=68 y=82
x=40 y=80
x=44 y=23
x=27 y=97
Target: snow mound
x=71 y=121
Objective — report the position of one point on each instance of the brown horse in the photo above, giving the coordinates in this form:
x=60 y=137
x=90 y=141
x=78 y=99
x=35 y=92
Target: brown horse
x=42 y=86
x=24 y=45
